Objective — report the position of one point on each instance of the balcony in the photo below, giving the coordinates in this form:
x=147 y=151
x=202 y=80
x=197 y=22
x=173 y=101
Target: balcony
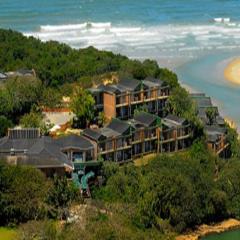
x=121 y=101
x=106 y=147
x=136 y=98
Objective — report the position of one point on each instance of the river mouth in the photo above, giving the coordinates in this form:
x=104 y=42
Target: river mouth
x=206 y=74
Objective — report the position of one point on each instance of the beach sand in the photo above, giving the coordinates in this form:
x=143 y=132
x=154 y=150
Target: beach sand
x=232 y=71
x=205 y=230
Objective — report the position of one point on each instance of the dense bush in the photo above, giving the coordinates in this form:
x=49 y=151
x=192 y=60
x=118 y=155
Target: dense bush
x=57 y=63
x=26 y=194
x=176 y=192
x=22 y=194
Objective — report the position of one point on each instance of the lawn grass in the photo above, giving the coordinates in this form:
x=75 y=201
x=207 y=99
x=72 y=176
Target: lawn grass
x=7 y=233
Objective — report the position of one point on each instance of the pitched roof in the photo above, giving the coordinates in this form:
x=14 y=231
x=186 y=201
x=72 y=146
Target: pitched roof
x=17 y=144
x=203 y=101
x=174 y=119
x=118 y=126
x=213 y=132
x=74 y=141
x=130 y=84
x=145 y=118
x=109 y=133
x=42 y=151
x=94 y=134
x=155 y=81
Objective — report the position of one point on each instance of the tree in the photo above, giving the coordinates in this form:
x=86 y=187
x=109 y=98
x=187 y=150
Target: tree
x=23 y=92
x=4 y=125
x=60 y=196
x=233 y=139
x=101 y=119
x=35 y=120
x=181 y=104
x=211 y=113
x=31 y=120
x=50 y=98
x=168 y=76
x=22 y=194
x=82 y=105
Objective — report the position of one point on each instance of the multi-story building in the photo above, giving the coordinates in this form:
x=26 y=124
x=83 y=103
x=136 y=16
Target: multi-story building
x=176 y=134
x=113 y=141
x=123 y=141
x=215 y=131
x=122 y=99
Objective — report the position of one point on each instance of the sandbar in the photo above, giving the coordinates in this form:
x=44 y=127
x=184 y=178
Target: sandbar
x=232 y=71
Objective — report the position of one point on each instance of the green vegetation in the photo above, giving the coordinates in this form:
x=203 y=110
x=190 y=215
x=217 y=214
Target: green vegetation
x=56 y=64
x=211 y=114
x=4 y=125
x=168 y=195
x=26 y=194
x=82 y=105
x=61 y=71
x=175 y=193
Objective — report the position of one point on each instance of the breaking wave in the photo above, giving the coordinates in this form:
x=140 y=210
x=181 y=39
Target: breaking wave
x=133 y=40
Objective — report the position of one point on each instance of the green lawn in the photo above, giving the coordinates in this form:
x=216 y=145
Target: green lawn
x=7 y=233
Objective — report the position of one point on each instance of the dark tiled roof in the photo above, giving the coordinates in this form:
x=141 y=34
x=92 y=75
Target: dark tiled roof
x=175 y=119
x=151 y=84
x=17 y=144
x=215 y=129
x=203 y=102
x=155 y=81
x=118 y=126
x=92 y=133
x=145 y=118
x=220 y=120
x=131 y=84
x=114 y=89
x=214 y=133
x=75 y=141
x=45 y=160
x=42 y=151
x=193 y=95
x=109 y=133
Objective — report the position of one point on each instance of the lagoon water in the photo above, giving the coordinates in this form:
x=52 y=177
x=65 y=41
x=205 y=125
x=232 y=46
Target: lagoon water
x=195 y=38
x=231 y=235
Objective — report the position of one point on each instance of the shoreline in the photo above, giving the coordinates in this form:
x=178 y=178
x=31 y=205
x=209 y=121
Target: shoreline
x=205 y=230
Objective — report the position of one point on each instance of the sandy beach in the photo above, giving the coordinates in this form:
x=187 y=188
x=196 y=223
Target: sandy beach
x=205 y=230
x=232 y=71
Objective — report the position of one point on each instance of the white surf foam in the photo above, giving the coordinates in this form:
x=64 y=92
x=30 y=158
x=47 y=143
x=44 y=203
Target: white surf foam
x=53 y=28
x=183 y=39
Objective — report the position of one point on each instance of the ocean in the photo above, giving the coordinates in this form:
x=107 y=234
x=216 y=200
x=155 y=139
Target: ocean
x=195 y=38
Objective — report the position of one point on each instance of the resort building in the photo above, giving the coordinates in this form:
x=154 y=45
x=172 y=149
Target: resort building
x=217 y=140
x=215 y=130
x=122 y=99
x=123 y=141
x=52 y=156
x=176 y=134
x=113 y=141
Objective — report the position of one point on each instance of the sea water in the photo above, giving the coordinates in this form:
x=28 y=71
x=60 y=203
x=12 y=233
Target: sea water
x=193 y=37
